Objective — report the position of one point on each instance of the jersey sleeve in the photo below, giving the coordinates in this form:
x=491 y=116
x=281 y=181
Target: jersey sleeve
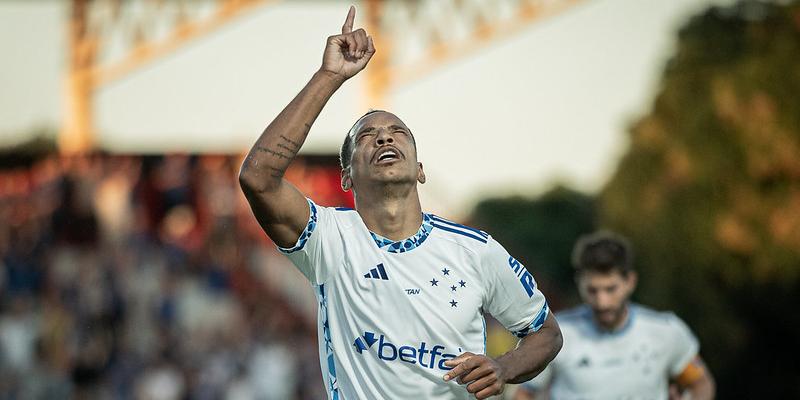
x=512 y=296
x=684 y=346
x=318 y=247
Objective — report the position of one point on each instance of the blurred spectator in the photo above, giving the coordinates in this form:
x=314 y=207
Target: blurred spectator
x=131 y=277
x=19 y=329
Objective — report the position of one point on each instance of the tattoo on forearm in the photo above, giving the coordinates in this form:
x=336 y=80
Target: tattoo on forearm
x=285 y=147
x=274 y=153
x=295 y=145
x=284 y=150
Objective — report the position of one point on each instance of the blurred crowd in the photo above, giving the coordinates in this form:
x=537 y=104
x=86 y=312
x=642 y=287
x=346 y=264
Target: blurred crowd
x=147 y=277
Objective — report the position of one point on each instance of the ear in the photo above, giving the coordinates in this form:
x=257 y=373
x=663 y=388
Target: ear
x=347 y=183
x=632 y=279
x=420 y=174
x=577 y=278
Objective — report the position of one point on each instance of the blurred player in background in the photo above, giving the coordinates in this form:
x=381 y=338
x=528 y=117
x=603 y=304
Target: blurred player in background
x=401 y=292
x=615 y=349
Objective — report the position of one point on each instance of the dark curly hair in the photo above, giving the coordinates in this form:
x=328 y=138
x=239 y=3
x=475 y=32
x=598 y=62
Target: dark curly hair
x=603 y=252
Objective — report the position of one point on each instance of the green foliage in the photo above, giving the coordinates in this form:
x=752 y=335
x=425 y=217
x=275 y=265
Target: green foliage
x=709 y=193
x=540 y=233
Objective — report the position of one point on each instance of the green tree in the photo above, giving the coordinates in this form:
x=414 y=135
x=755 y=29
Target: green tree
x=540 y=233
x=709 y=193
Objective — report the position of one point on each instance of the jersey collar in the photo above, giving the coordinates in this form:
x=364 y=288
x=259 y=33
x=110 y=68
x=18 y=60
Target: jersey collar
x=618 y=331
x=408 y=244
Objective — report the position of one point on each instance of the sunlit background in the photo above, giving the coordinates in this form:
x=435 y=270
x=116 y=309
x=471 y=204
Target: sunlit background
x=132 y=267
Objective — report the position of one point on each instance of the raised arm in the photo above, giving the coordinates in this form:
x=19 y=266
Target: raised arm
x=278 y=206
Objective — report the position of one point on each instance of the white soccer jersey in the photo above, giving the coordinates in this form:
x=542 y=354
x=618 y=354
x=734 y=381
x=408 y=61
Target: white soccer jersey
x=635 y=362
x=391 y=313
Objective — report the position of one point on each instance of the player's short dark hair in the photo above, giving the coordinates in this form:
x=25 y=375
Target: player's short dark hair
x=346 y=152
x=603 y=252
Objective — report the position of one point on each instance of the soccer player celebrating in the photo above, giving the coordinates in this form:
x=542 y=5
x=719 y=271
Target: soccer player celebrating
x=615 y=349
x=401 y=292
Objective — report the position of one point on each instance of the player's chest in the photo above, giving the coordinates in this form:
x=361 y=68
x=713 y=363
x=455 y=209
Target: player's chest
x=631 y=359
x=416 y=284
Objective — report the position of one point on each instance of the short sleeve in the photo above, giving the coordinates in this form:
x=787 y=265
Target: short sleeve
x=512 y=296
x=684 y=346
x=319 y=246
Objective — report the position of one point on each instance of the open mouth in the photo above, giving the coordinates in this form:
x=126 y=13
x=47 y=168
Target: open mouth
x=388 y=155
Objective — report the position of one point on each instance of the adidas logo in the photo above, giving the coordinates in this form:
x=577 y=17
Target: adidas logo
x=377 y=273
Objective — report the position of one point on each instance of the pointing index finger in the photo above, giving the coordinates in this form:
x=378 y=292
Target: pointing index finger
x=458 y=366
x=348 y=22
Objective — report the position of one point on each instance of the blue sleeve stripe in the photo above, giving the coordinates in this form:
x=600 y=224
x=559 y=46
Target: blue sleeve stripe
x=536 y=324
x=453 y=224
x=303 y=239
x=467 y=234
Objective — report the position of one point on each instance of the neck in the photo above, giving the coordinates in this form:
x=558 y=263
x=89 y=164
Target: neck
x=392 y=210
x=618 y=324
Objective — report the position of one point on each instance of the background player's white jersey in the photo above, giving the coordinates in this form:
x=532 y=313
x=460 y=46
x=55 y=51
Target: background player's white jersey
x=635 y=362
x=391 y=313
